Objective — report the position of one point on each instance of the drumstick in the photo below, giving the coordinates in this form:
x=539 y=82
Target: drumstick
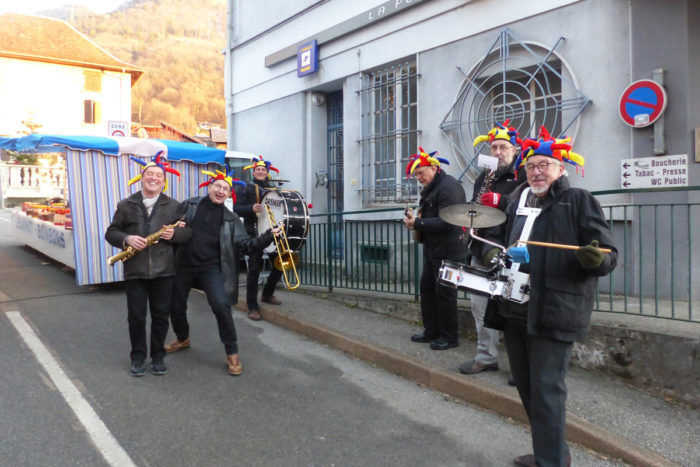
x=559 y=245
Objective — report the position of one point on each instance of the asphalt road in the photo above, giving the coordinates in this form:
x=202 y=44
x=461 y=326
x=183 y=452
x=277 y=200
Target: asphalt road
x=297 y=402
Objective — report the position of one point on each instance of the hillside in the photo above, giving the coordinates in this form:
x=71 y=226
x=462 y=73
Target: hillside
x=179 y=43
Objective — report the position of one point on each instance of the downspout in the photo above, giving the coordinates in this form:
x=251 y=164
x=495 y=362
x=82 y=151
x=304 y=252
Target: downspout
x=228 y=71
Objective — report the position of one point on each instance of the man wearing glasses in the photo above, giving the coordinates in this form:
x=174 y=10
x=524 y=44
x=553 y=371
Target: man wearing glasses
x=491 y=189
x=210 y=262
x=539 y=333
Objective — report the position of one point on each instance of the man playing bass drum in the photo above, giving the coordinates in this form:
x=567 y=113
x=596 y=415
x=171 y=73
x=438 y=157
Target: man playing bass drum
x=249 y=208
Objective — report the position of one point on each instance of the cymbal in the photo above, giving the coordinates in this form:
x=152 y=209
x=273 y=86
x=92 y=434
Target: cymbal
x=472 y=215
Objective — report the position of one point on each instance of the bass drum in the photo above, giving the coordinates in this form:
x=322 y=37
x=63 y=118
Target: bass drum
x=288 y=207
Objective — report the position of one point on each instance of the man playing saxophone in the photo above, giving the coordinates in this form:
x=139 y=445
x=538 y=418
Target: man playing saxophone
x=491 y=188
x=148 y=275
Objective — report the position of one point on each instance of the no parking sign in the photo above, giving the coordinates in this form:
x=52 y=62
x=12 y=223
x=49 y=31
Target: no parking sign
x=642 y=103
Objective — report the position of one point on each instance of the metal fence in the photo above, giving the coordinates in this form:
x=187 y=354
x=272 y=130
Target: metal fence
x=658 y=262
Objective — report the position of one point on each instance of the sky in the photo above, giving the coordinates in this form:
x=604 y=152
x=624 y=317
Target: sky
x=33 y=6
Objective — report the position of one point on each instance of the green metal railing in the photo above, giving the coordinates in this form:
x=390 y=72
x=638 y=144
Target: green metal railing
x=371 y=250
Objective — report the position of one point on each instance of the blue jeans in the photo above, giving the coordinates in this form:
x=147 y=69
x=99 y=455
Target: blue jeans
x=211 y=281
x=140 y=295
x=255 y=265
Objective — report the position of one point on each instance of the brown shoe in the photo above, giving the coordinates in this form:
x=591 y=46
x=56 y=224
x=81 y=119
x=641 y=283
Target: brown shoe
x=254 y=314
x=528 y=460
x=271 y=300
x=234 y=364
x=176 y=345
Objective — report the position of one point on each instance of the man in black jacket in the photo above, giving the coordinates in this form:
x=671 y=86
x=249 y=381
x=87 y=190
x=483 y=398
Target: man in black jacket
x=249 y=208
x=491 y=188
x=149 y=274
x=539 y=334
x=440 y=241
x=210 y=262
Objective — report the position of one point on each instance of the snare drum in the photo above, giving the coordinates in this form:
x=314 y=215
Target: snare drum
x=288 y=207
x=503 y=284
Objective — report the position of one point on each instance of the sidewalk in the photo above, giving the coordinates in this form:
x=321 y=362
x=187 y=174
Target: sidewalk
x=604 y=414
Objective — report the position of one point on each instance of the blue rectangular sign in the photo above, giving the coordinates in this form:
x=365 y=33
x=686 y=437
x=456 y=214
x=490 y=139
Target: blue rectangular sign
x=307 y=59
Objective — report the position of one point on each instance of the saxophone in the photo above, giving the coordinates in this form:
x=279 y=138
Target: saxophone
x=485 y=187
x=150 y=240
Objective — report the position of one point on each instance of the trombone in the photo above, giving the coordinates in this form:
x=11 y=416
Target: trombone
x=286 y=259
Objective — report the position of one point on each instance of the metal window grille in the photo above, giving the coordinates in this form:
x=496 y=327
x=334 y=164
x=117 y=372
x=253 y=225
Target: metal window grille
x=524 y=83
x=389 y=100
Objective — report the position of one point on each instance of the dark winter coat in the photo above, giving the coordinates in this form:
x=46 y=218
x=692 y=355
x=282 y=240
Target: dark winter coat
x=233 y=241
x=562 y=293
x=440 y=239
x=131 y=218
x=246 y=198
x=504 y=182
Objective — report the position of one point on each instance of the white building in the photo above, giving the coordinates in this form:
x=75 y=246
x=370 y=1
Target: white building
x=55 y=80
x=393 y=75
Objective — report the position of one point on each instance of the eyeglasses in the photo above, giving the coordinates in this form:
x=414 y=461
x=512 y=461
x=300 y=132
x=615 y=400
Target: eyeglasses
x=542 y=166
x=500 y=147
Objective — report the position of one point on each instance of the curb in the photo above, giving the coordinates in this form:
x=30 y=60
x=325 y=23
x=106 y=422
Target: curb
x=472 y=390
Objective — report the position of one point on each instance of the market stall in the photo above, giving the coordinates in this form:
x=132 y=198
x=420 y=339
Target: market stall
x=97 y=172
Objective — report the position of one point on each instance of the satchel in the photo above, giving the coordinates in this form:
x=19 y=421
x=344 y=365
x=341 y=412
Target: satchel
x=493 y=319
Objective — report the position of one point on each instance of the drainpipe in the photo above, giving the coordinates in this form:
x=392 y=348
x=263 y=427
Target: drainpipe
x=228 y=71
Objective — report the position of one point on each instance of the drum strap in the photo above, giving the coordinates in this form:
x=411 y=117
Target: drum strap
x=531 y=214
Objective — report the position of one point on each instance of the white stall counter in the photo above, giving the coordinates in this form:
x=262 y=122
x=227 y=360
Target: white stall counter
x=52 y=240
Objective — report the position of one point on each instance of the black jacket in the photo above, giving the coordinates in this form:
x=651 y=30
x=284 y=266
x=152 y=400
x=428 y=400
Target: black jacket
x=233 y=241
x=246 y=198
x=440 y=239
x=504 y=182
x=562 y=293
x=131 y=218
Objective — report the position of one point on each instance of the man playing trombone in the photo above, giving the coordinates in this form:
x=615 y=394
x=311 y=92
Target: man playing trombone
x=149 y=274
x=249 y=208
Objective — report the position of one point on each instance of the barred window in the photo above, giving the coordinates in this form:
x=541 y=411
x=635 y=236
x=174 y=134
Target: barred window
x=389 y=133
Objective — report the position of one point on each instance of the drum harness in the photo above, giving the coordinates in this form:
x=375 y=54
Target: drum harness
x=531 y=214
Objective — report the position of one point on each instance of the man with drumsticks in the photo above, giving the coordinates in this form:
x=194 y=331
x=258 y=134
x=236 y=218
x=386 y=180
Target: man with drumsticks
x=441 y=241
x=491 y=188
x=539 y=333
x=148 y=274
x=250 y=209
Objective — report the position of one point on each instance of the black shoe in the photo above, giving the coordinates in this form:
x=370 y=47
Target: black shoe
x=473 y=367
x=422 y=338
x=158 y=367
x=137 y=368
x=442 y=344
x=511 y=380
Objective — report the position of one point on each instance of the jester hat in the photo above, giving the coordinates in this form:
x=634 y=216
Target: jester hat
x=261 y=163
x=423 y=159
x=227 y=177
x=500 y=131
x=546 y=145
x=156 y=161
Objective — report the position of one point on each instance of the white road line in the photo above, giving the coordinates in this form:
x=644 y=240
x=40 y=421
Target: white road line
x=110 y=449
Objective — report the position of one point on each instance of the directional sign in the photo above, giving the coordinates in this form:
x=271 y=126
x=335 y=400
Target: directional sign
x=642 y=103
x=654 y=172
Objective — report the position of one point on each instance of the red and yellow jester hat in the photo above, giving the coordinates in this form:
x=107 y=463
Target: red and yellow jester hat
x=500 y=131
x=546 y=145
x=261 y=163
x=156 y=161
x=423 y=159
x=219 y=175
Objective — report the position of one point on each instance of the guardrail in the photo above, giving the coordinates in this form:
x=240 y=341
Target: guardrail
x=658 y=260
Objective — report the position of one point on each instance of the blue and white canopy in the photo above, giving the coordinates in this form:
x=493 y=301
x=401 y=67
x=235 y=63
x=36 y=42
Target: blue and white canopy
x=141 y=147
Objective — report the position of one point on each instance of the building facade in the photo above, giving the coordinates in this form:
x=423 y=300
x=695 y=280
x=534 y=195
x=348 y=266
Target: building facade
x=395 y=75
x=55 y=80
